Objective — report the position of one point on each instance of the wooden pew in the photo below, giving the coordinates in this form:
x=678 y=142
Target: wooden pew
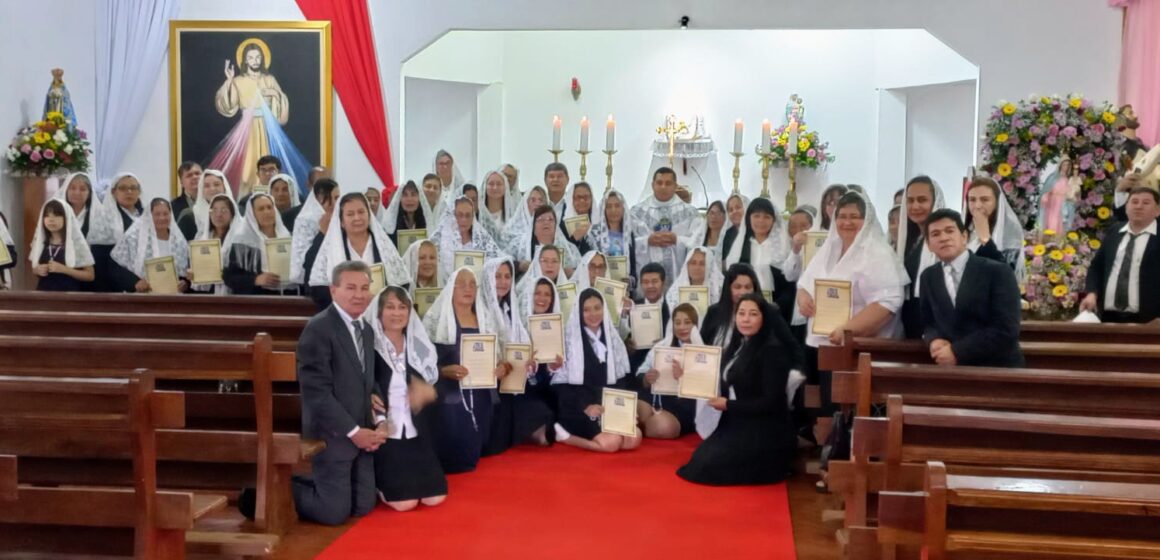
x=958 y=515
x=7 y=477
x=1090 y=393
x=272 y=455
x=124 y=412
x=166 y=326
x=184 y=304
x=991 y=443
x=1064 y=331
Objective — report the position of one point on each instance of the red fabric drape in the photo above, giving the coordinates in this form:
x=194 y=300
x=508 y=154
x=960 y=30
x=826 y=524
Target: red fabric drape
x=355 y=72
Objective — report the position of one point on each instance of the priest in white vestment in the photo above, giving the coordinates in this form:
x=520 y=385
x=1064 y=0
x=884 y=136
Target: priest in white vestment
x=665 y=226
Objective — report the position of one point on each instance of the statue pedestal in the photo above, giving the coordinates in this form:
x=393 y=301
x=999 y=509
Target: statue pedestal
x=35 y=192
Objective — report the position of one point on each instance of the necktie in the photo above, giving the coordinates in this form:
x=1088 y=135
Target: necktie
x=1125 y=276
x=954 y=276
x=360 y=340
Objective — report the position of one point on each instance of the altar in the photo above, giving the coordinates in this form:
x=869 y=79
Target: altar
x=694 y=158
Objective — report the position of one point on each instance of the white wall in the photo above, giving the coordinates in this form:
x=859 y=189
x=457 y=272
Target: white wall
x=451 y=128
x=939 y=143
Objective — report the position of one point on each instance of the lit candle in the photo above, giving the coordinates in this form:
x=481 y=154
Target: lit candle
x=765 y=131
x=584 y=134
x=738 y=129
x=556 y=132
x=791 y=145
x=610 y=139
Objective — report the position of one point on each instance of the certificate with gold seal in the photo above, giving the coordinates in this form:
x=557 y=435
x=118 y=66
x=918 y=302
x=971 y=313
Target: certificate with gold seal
x=833 y=305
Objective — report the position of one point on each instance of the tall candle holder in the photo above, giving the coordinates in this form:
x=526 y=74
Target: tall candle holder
x=608 y=171
x=736 y=171
x=766 y=159
x=791 y=194
x=556 y=155
x=583 y=163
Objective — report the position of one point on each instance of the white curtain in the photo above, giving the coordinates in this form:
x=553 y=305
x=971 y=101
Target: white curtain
x=132 y=41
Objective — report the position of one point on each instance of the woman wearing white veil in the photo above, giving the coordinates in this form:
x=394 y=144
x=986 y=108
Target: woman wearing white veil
x=546 y=264
x=497 y=207
x=450 y=179
x=921 y=197
x=735 y=207
x=521 y=223
x=668 y=416
x=995 y=230
x=462 y=416
x=544 y=231
x=611 y=232
x=101 y=231
x=580 y=203
x=224 y=224
x=592 y=266
x=407 y=471
x=595 y=358
x=700 y=269
x=353 y=234
x=460 y=231
x=408 y=209
x=763 y=242
x=247 y=261
x=10 y=246
x=856 y=250
x=211 y=184
x=541 y=299
x=311 y=223
x=59 y=254
x=153 y=235
x=712 y=233
x=423 y=267
x=123 y=202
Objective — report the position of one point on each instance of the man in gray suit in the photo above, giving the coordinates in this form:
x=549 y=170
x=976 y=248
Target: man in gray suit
x=336 y=357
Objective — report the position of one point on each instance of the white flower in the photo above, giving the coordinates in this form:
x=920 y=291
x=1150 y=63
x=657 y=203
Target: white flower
x=60 y=137
x=69 y=149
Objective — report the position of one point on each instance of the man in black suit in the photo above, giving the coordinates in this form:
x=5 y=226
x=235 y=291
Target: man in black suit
x=336 y=373
x=652 y=288
x=1123 y=280
x=970 y=305
x=188 y=174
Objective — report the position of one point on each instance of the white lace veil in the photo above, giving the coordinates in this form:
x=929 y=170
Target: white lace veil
x=615 y=356
x=420 y=352
x=714 y=278
x=141 y=243
x=76 y=248
x=928 y=258
x=440 y=321
x=511 y=326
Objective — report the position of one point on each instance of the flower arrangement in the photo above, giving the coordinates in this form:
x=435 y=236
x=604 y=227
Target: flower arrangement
x=811 y=151
x=49 y=146
x=1056 y=270
x=1022 y=138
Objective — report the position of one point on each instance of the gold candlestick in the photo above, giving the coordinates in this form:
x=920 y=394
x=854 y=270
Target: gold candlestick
x=608 y=171
x=791 y=194
x=736 y=171
x=583 y=163
x=556 y=155
x=765 y=161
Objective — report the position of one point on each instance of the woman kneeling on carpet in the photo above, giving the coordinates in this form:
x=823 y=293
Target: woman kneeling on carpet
x=595 y=358
x=754 y=441
x=407 y=472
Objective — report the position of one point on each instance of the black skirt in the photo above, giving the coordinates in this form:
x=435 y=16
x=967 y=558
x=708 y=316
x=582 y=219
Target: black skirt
x=573 y=400
x=407 y=469
x=743 y=450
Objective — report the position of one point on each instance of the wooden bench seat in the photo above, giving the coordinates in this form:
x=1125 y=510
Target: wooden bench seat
x=183 y=304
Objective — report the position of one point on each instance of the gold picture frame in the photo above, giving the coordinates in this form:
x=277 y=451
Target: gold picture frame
x=202 y=120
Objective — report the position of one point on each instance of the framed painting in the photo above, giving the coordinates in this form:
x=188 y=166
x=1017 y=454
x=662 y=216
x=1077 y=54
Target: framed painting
x=239 y=90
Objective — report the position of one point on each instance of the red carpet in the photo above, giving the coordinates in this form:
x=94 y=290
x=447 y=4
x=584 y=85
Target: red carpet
x=564 y=503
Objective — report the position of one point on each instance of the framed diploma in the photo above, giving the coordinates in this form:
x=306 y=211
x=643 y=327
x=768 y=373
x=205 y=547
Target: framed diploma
x=260 y=189
x=278 y=257
x=702 y=372
x=161 y=273
x=814 y=241
x=767 y=295
x=477 y=354
x=5 y=256
x=618 y=268
x=406 y=237
x=205 y=258
x=566 y=291
x=574 y=222
x=663 y=358
x=613 y=292
x=833 y=305
x=517 y=355
x=378 y=278
x=697 y=296
x=424 y=299
x=471 y=259
x=547 y=332
x=645 y=321
x=619 y=412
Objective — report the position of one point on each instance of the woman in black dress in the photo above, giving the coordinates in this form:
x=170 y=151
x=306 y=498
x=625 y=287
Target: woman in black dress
x=60 y=255
x=595 y=358
x=740 y=279
x=754 y=442
x=407 y=471
x=247 y=263
x=668 y=416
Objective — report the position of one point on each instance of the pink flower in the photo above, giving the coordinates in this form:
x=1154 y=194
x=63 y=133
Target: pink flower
x=1008 y=187
x=26 y=148
x=1037 y=261
x=1053 y=130
x=1051 y=140
x=1069 y=131
x=49 y=154
x=812 y=152
x=34 y=156
x=1068 y=258
x=82 y=134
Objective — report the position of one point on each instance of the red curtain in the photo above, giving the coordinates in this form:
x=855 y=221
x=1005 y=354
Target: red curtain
x=355 y=72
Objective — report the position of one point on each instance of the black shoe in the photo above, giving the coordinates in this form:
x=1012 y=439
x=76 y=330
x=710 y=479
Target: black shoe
x=248 y=502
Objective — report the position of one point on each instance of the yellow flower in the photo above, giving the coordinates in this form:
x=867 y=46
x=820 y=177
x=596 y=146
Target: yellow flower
x=1004 y=169
x=1044 y=100
x=803 y=145
x=1073 y=236
x=1039 y=250
x=1056 y=255
x=40 y=137
x=1009 y=109
x=1094 y=243
x=1053 y=277
x=54 y=115
x=1001 y=137
x=1060 y=290
x=1075 y=102
x=1104 y=213
x=1069 y=250
x=782 y=140
x=1111 y=167
x=1049 y=232
x=1108 y=117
